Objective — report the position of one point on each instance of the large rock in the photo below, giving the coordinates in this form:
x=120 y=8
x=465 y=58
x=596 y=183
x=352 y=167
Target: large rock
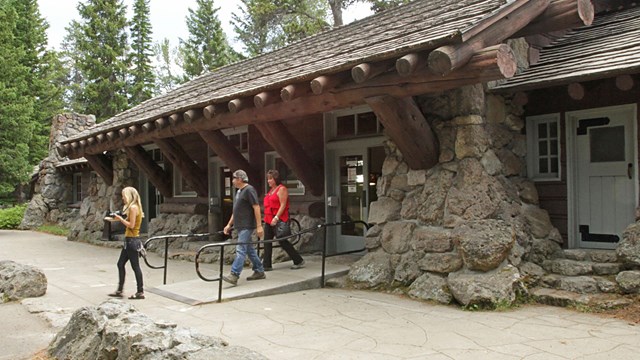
x=486 y=289
x=117 y=330
x=629 y=281
x=383 y=210
x=18 y=281
x=629 y=247
x=374 y=269
x=431 y=287
x=484 y=244
x=396 y=236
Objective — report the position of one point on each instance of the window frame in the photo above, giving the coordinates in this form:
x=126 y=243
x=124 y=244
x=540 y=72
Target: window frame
x=533 y=140
x=270 y=163
x=76 y=185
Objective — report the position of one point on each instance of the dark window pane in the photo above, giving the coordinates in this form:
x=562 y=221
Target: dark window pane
x=542 y=131
x=554 y=147
x=367 y=123
x=553 y=129
x=607 y=144
x=235 y=140
x=244 y=141
x=345 y=126
x=554 y=165
x=543 y=167
x=542 y=148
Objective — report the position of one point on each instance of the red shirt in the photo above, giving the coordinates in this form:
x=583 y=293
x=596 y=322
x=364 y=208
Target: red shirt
x=272 y=204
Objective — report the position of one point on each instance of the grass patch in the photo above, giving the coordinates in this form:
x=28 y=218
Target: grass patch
x=54 y=230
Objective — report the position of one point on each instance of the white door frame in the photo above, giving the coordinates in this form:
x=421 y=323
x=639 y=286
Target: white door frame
x=572 y=166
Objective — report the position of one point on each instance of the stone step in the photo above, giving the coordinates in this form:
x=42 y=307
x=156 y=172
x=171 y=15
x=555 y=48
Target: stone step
x=569 y=267
x=591 y=255
x=569 y=298
x=582 y=284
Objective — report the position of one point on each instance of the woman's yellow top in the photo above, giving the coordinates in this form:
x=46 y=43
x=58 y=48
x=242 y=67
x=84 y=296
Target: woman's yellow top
x=135 y=232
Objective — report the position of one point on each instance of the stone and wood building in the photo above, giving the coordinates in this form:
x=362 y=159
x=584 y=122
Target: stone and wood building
x=492 y=145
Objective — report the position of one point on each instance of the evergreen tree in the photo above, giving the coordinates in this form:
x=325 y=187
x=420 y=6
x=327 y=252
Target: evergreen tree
x=16 y=109
x=74 y=83
x=44 y=80
x=266 y=25
x=168 y=63
x=101 y=46
x=207 y=48
x=143 y=76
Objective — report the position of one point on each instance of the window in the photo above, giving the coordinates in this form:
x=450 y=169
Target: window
x=543 y=147
x=355 y=123
x=289 y=179
x=180 y=186
x=239 y=137
x=76 y=192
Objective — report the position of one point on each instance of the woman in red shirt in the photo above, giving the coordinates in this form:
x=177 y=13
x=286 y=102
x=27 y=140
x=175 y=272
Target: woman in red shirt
x=276 y=209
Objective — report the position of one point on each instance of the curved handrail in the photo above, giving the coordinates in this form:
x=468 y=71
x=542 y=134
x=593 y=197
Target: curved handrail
x=166 y=239
x=222 y=245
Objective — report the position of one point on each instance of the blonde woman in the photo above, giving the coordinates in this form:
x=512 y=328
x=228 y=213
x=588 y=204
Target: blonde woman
x=132 y=243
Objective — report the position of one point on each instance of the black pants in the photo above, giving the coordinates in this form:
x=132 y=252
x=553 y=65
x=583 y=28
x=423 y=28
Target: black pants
x=270 y=233
x=130 y=253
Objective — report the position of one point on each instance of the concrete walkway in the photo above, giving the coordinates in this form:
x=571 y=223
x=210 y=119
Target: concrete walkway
x=310 y=324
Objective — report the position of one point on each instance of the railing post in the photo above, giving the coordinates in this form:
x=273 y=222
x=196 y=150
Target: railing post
x=166 y=256
x=221 y=261
x=324 y=254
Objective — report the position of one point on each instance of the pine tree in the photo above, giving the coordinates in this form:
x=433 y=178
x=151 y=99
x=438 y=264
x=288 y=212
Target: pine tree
x=168 y=63
x=16 y=109
x=143 y=77
x=102 y=59
x=207 y=48
x=266 y=25
x=45 y=70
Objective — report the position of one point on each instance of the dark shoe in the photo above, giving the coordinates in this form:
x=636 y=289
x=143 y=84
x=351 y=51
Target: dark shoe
x=297 y=266
x=268 y=268
x=116 y=294
x=231 y=279
x=137 y=296
x=256 y=276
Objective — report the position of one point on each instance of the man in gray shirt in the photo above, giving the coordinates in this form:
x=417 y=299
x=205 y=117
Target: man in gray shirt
x=245 y=219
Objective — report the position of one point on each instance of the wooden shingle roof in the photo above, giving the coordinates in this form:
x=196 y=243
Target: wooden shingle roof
x=609 y=47
x=420 y=25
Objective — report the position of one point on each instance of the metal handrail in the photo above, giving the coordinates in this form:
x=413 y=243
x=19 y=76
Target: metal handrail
x=222 y=245
x=166 y=239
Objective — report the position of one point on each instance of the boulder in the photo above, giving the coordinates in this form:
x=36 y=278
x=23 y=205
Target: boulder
x=629 y=247
x=117 y=330
x=374 y=269
x=486 y=289
x=18 y=281
x=431 y=287
x=484 y=244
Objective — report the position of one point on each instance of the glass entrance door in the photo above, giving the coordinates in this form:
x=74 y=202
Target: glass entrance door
x=352 y=184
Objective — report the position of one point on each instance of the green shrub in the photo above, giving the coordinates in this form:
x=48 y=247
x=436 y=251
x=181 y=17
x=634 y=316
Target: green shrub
x=11 y=217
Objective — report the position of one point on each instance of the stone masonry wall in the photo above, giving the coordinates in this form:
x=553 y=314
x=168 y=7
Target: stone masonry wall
x=468 y=229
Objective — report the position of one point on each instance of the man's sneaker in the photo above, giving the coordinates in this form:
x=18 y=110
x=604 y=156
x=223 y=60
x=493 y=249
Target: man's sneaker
x=231 y=278
x=256 y=276
x=297 y=266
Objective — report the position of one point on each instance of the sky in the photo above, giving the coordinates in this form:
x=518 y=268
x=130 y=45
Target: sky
x=167 y=18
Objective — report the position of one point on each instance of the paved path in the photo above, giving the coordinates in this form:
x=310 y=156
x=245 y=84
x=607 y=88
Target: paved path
x=311 y=324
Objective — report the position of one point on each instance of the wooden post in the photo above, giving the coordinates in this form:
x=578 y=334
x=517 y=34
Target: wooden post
x=220 y=145
x=190 y=171
x=102 y=166
x=156 y=175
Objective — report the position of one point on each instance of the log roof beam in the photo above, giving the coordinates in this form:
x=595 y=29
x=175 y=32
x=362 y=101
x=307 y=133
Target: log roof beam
x=492 y=63
x=560 y=15
x=293 y=155
x=448 y=58
x=189 y=170
x=229 y=154
x=157 y=175
x=407 y=127
x=102 y=166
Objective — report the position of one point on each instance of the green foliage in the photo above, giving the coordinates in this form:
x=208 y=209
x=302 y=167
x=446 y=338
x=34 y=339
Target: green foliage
x=166 y=57
x=11 y=217
x=381 y=5
x=143 y=77
x=266 y=25
x=16 y=107
x=100 y=43
x=207 y=48
x=54 y=230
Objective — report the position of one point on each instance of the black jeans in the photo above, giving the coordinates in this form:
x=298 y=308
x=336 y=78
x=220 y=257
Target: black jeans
x=270 y=233
x=130 y=253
